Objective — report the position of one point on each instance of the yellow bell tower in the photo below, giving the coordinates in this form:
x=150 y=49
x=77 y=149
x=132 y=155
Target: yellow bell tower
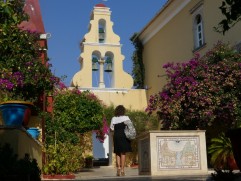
x=101 y=52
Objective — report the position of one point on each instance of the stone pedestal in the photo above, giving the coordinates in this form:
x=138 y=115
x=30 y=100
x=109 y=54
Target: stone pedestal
x=167 y=153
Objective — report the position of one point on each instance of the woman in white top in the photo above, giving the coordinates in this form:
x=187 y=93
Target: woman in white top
x=122 y=145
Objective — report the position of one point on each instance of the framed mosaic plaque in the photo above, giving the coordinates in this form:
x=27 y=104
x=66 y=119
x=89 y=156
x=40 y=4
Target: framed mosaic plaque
x=178 y=153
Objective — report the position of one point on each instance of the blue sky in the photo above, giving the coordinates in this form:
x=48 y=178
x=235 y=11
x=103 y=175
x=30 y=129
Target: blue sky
x=67 y=22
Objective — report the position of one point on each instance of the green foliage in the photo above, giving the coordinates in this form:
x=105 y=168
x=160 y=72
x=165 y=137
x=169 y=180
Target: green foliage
x=231 y=9
x=220 y=151
x=74 y=113
x=109 y=113
x=78 y=111
x=138 y=71
x=23 y=75
x=142 y=122
x=24 y=168
x=63 y=158
x=12 y=13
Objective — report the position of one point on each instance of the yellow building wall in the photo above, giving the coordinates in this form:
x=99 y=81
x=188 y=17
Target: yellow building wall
x=132 y=99
x=174 y=42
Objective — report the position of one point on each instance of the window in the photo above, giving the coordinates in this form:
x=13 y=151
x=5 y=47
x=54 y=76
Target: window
x=198 y=28
x=102 y=33
x=198 y=31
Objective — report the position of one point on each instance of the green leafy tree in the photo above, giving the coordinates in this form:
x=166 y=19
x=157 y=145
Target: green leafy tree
x=138 y=70
x=231 y=9
x=74 y=113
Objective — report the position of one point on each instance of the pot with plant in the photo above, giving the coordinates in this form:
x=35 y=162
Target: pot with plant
x=235 y=137
x=221 y=153
x=89 y=161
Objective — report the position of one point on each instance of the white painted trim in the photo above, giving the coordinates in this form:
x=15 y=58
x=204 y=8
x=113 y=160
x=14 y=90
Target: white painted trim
x=45 y=36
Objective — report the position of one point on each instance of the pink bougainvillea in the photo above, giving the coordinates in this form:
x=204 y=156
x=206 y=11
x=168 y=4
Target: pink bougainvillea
x=201 y=91
x=103 y=131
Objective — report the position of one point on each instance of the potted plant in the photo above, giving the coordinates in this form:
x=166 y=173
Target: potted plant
x=23 y=75
x=89 y=161
x=235 y=136
x=221 y=153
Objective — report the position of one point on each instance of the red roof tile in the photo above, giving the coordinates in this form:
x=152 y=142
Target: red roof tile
x=35 y=23
x=100 y=5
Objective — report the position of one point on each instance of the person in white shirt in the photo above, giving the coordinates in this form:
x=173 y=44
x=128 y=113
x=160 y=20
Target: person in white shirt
x=122 y=145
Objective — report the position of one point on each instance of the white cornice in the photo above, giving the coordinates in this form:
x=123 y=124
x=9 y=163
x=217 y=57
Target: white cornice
x=170 y=9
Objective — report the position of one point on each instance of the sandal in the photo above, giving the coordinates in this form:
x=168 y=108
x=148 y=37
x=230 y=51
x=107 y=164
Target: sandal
x=123 y=174
x=118 y=172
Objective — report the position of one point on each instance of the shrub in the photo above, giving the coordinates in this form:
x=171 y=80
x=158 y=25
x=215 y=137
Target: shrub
x=63 y=158
x=74 y=114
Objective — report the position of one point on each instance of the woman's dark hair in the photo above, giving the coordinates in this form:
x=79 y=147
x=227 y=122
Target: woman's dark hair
x=120 y=110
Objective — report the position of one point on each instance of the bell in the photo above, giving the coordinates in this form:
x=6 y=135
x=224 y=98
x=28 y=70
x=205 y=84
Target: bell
x=108 y=67
x=94 y=64
x=101 y=35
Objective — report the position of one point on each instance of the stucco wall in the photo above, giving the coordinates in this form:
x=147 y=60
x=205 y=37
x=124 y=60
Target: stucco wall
x=22 y=143
x=133 y=99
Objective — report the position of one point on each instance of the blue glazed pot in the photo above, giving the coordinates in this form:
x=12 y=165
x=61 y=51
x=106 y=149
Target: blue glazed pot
x=34 y=132
x=13 y=114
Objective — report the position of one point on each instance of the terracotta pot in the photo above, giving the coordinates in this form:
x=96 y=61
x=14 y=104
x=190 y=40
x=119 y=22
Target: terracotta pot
x=232 y=163
x=89 y=163
x=26 y=117
x=235 y=137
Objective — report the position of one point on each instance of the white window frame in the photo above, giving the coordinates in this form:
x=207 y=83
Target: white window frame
x=198 y=28
x=199 y=32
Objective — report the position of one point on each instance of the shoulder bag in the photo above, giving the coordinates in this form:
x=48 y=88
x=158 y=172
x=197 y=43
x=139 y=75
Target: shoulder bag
x=130 y=130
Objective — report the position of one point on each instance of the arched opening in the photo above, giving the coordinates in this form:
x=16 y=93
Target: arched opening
x=102 y=30
x=108 y=69
x=95 y=58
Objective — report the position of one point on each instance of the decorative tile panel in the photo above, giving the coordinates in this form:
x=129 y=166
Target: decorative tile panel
x=178 y=152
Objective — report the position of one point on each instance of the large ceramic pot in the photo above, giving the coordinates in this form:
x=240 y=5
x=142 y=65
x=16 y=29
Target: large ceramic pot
x=235 y=137
x=13 y=112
